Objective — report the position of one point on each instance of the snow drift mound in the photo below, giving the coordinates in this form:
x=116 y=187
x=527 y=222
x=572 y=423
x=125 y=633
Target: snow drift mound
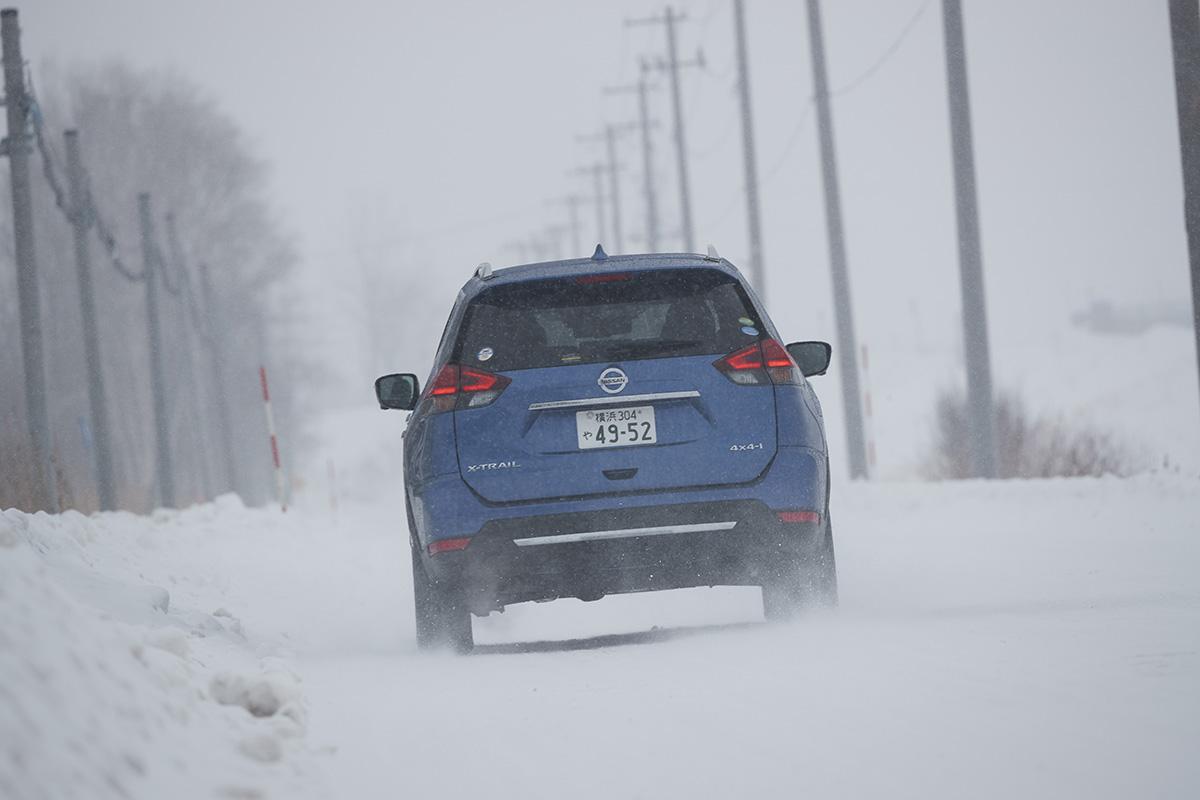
x=110 y=686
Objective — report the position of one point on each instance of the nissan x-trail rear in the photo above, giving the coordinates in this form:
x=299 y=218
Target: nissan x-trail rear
x=607 y=425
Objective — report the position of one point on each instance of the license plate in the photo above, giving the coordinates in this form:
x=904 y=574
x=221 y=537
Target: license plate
x=615 y=427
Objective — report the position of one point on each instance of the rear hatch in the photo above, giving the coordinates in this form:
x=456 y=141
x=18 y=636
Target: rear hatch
x=607 y=383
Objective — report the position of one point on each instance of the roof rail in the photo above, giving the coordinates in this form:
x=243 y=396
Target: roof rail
x=483 y=271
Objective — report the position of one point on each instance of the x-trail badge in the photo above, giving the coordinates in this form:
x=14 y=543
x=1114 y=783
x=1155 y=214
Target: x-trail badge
x=612 y=380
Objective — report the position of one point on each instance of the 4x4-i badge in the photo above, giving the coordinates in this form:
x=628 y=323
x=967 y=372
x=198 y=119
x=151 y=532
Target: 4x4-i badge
x=613 y=380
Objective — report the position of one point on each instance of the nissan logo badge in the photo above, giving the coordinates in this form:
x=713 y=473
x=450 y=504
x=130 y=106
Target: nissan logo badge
x=612 y=380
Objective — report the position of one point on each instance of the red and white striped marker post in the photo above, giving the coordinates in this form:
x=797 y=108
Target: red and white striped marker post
x=262 y=375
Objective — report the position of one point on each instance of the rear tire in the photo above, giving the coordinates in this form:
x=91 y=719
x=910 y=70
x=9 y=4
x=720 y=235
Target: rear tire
x=809 y=581
x=443 y=620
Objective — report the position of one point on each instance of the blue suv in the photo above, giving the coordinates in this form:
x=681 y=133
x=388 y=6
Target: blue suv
x=606 y=425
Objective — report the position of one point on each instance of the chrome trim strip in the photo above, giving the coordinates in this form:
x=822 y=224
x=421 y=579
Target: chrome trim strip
x=612 y=401
x=623 y=533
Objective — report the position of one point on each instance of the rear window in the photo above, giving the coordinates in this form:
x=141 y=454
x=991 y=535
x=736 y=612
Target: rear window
x=600 y=318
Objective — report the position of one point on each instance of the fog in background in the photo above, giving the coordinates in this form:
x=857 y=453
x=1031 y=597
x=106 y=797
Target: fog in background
x=410 y=141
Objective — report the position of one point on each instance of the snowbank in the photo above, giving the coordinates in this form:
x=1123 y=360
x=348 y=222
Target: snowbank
x=125 y=673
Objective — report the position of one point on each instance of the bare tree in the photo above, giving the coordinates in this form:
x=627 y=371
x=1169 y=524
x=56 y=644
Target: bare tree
x=1026 y=447
x=158 y=133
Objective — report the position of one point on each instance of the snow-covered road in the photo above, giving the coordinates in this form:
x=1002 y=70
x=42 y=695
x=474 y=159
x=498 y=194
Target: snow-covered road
x=1011 y=639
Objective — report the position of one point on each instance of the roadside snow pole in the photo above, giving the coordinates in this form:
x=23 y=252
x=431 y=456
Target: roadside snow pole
x=262 y=376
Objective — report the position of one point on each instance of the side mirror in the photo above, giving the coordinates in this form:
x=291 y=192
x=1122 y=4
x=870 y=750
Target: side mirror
x=811 y=357
x=397 y=391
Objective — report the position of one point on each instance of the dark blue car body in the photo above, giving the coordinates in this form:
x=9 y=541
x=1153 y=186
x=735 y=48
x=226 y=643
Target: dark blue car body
x=506 y=504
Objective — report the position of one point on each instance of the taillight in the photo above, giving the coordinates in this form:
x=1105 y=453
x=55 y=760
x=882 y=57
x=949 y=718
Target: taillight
x=798 y=517
x=474 y=380
x=465 y=387
x=446 y=545
x=764 y=362
x=446 y=382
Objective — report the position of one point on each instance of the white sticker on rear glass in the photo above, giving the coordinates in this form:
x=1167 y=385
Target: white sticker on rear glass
x=745 y=320
x=486 y=353
x=749 y=331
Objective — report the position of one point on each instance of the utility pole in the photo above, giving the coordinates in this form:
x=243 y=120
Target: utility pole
x=81 y=222
x=842 y=306
x=16 y=147
x=224 y=421
x=753 y=217
x=614 y=187
x=189 y=339
x=608 y=135
x=572 y=202
x=165 y=471
x=596 y=171
x=1185 y=43
x=598 y=189
x=671 y=66
x=650 y=199
x=981 y=419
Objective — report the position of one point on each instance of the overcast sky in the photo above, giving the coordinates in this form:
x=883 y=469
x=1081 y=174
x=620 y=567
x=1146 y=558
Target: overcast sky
x=438 y=133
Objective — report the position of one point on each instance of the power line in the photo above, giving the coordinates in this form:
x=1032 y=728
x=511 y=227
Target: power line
x=892 y=49
x=793 y=140
x=848 y=88
x=49 y=168
x=718 y=144
x=88 y=210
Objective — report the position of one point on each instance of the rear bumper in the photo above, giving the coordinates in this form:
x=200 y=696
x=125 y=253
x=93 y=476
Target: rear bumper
x=728 y=535
x=591 y=554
